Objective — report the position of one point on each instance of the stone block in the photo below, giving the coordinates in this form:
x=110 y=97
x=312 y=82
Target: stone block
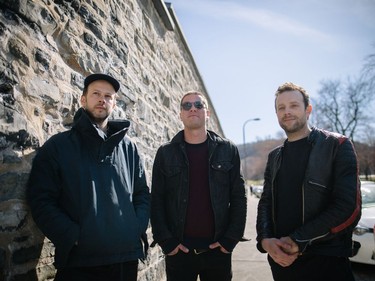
x=23 y=255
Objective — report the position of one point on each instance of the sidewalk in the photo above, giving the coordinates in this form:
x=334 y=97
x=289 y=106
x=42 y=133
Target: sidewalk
x=248 y=263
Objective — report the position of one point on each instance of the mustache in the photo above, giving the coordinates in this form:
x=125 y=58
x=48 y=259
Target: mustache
x=288 y=118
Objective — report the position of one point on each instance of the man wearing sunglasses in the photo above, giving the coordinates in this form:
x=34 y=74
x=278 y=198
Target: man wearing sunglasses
x=198 y=198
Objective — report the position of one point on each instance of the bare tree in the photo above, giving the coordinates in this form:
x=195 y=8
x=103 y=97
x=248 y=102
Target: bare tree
x=368 y=71
x=368 y=163
x=347 y=108
x=343 y=107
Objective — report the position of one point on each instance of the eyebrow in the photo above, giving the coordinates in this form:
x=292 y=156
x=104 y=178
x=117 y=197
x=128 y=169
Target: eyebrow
x=105 y=92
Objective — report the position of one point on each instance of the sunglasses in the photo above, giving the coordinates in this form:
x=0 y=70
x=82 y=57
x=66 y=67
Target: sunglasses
x=188 y=105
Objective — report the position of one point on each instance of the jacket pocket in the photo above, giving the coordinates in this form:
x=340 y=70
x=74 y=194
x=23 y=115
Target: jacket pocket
x=317 y=195
x=223 y=167
x=173 y=178
x=317 y=186
x=110 y=233
x=171 y=171
x=221 y=173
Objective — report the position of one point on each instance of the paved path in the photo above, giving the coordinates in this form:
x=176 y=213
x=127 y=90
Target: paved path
x=248 y=263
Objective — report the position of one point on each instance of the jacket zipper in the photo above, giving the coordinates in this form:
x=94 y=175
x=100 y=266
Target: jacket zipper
x=318 y=184
x=303 y=204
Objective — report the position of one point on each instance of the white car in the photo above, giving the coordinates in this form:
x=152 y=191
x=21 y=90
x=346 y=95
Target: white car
x=364 y=231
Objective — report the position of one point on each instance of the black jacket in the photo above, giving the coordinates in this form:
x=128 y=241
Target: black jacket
x=331 y=196
x=170 y=192
x=90 y=189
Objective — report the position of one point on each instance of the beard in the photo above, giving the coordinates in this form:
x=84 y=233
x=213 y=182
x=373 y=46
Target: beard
x=297 y=126
x=97 y=119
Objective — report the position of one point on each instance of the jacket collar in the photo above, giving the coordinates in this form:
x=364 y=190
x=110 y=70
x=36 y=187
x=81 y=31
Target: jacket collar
x=313 y=135
x=212 y=137
x=311 y=138
x=82 y=123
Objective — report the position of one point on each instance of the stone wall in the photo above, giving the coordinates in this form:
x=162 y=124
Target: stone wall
x=46 y=49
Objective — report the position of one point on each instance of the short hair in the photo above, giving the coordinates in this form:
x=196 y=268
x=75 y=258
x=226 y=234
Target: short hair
x=204 y=100
x=289 y=86
x=84 y=92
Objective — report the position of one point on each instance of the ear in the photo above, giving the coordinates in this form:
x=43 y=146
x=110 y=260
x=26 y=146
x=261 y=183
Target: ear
x=83 y=101
x=208 y=114
x=308 y=110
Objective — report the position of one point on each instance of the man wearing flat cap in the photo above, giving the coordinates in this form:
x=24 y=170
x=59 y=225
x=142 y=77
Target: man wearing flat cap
x=88 y=193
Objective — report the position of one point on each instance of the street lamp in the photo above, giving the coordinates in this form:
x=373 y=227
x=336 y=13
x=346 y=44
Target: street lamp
x=244 y=145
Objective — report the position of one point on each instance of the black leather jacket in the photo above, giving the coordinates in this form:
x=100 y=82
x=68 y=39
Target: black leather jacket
x=331 y=196
x=170 y=189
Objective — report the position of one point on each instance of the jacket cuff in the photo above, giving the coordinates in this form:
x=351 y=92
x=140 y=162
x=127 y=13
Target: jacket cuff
x=169 y=245
x=260 y=247
x=227 y=243
x=301 y=245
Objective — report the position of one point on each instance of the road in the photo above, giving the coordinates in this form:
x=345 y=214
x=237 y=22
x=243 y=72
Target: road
x=250 y=265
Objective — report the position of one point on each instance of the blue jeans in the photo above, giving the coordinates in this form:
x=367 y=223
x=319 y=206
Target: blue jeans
x=126 y=271
x=210 y=265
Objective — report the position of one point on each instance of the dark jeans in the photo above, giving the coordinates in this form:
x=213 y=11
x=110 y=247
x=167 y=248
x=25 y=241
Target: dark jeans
x=312 y=267
x=126 y=271
x=212 y=265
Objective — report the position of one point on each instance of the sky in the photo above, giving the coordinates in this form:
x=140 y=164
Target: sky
x=245 y=49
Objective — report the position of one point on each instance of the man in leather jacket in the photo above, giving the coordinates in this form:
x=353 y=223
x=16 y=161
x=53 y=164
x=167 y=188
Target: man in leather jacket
x=88 y=193
x=198 y=208
x=311 y=198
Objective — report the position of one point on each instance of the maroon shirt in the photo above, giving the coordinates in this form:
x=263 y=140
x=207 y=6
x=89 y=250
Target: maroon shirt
x=199 y=223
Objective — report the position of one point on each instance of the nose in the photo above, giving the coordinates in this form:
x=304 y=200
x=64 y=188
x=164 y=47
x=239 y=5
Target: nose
x=101 y=98
x=287 y=111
